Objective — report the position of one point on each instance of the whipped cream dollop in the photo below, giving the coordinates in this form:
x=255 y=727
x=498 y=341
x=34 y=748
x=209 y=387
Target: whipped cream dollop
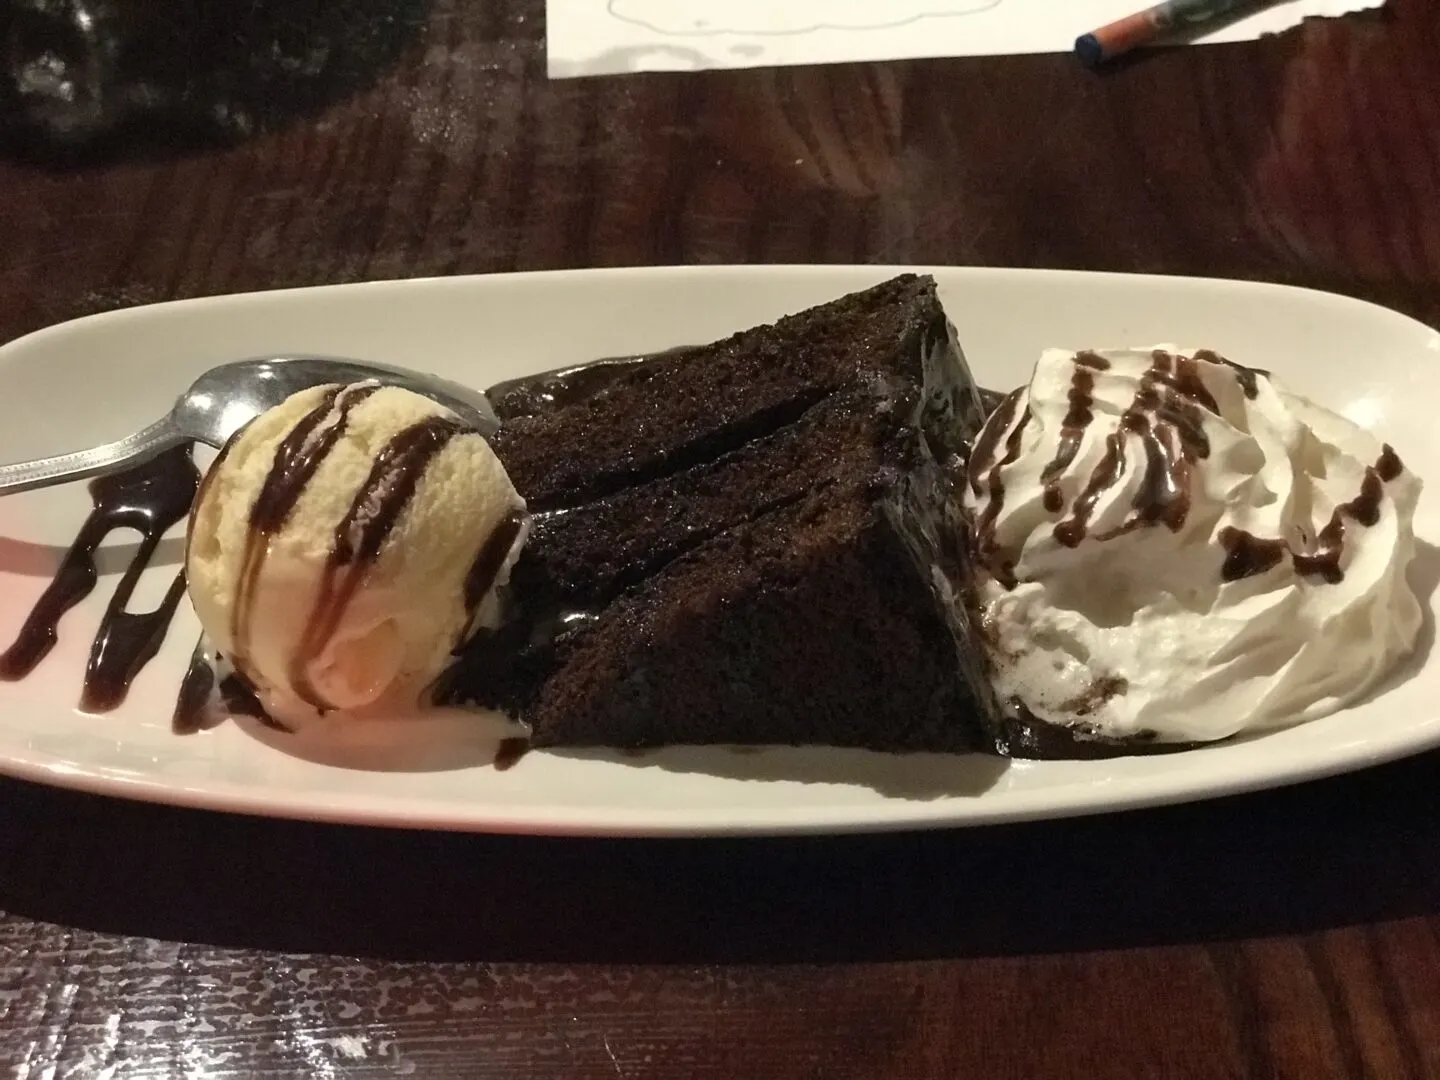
x=345 y=543
x=1175 y=548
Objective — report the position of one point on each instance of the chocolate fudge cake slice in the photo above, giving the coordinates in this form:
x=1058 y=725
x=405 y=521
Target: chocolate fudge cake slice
x=755 y=541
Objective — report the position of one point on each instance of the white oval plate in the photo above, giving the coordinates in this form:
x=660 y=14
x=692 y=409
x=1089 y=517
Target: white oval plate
x=99 y=378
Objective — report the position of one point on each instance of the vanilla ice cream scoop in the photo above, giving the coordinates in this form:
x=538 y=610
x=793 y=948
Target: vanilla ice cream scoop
x=345 y=543
x=1175 y=548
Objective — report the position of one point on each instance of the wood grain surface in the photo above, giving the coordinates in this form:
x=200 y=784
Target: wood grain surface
x=1285 y=935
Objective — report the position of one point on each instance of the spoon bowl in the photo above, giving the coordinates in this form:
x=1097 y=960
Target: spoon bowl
x=226 y=398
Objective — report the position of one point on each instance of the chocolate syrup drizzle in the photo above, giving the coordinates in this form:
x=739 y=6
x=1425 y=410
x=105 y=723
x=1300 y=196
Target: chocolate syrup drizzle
x=159 y=494
x=985 y=478
x=1167 y=415
x=297 y=458
x=510 y=753
x=1072 y=428
x=207 y=700
x=1247 y=377
x=197 y=690
x=1247 y=555
x=982 y=458
x=485 y=571
x=372 y=516
x=150 y=499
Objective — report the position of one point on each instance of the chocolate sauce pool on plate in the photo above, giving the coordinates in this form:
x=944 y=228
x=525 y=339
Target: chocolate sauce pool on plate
x=530 y=395
x=510 y=753
x=149 y=499
x=207 y=699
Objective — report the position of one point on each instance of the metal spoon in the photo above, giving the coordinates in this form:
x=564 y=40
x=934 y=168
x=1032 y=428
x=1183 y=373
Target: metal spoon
x=225 y=399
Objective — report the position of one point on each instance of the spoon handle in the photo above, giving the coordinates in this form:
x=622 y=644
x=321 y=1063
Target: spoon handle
x=82 y=464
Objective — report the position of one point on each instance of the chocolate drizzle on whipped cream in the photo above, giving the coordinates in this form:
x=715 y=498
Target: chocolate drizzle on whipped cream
x=982 y=457
x=1247 y=377
x=987 y=478
x=1166 y=415
x=149 y=498
x=1072 y=430
x=1247 y=555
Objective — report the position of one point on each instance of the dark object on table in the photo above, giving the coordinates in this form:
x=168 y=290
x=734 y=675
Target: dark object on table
x=749 y=542
x=100 y=77
x=1149 y=26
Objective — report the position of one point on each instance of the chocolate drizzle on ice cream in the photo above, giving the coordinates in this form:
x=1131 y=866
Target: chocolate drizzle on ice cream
x=349 y=548
x=490 y=562
x=297 y=458
x=373 y=514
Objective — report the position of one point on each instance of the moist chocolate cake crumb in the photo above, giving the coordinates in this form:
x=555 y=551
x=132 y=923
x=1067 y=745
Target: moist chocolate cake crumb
x=754 y=542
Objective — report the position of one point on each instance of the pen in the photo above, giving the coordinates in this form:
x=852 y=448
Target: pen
x=1145 y=27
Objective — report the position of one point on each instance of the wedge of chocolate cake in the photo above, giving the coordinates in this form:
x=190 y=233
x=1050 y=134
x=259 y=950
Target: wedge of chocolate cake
x=756 y=541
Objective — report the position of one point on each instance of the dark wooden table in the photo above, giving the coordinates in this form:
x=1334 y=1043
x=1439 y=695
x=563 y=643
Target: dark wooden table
x=1291 y=934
